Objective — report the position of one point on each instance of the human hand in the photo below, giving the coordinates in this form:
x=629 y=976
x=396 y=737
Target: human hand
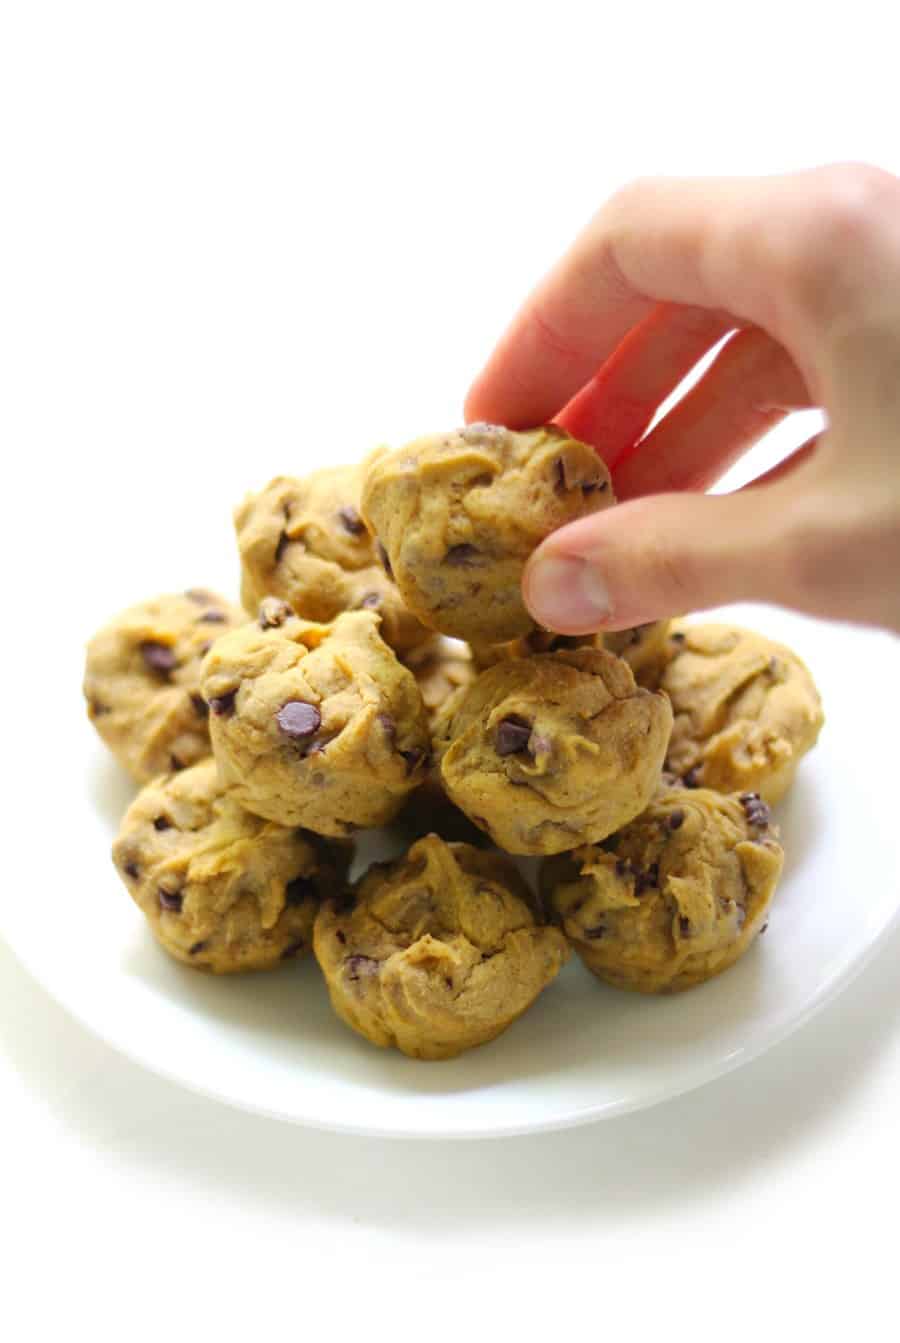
x=806 y=268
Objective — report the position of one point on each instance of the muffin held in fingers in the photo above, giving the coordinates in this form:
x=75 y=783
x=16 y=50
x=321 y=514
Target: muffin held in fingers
x=676 y=896
x=456 y=516
x=548 y=752
x=746 y=710
x=315 y=725
x=302 y=539
x=437 y=952
x=222 y=890
x=142 y=680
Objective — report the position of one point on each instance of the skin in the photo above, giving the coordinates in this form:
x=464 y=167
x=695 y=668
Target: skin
x=804 y=271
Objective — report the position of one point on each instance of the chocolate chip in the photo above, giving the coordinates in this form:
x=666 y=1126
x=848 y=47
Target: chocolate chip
x=678 y=637
x=388 y=725
x=273 y=612
x=299 y=890
x=512 y=735
x=162 y=823
x=358 y=966
x=351 y=521
x=462 y=556
x=684 y=926
x=371 y=600
x=755 y=810
x=97 y=710
x=413 y=760
x=132 y=870
x=292 y=948
x=200 y=706
x=198 y=947
x=175 y=764
x=223 y=705
x=384 y=559
x=283 y=543
x=212 y=617
x=341 y=937
x=647 y=881
x=298 y=719
x=199 y=596
x=599 y=930
x=692 y=778
x=170 y=900
x=158 y=657
x=675 y=820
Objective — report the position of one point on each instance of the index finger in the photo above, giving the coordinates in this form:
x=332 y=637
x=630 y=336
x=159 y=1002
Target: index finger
x=758 y=248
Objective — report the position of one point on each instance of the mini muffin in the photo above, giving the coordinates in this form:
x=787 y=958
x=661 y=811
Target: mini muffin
x=746 y=710
x=142 y=680
x=222 y=890
x=315 y=725
x=457 y=515
x=437 y=952
x=676 y=896
x=549 y=752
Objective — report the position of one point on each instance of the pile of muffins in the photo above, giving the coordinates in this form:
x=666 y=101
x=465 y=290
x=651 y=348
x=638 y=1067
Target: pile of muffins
x=382 y=670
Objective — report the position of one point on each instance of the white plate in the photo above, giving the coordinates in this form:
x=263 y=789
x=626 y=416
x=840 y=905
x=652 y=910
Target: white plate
x=270 y=1043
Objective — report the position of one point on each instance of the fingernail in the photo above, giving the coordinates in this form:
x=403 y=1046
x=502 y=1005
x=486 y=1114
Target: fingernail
x=566 y=593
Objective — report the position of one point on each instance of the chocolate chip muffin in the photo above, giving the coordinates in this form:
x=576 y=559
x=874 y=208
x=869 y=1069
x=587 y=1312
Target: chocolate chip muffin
x=222 y=889
x=549 y=752
x=315 y=725
x=437 y=952
x=142 y=680
x=303 y=540
x=457 y=515
x=676 y=896
x=746 y=710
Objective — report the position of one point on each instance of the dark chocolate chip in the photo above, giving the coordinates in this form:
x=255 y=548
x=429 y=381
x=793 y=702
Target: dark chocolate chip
x=212 y=617
x=358 y=966
x=341 y=937
x=199 y=596
x=223 y=705
x=273 y=612
x=298 y=890
x=283 y=543
x=170 y=900
x=384 y=559
x=692 y=778
x=388 y=724
x=132 y=870
x=298 y=719
x=512 y=735
x=371 y=600
x=162 y=823
x=675 y=820
x=158 y=657
x=755 y=810
x=292 y=949
x=462 y=556
x=351 y=521
x=200 y=706
x=197 y=948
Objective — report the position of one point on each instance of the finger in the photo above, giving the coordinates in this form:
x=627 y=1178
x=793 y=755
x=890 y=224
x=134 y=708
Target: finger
x=658 y=556
x=751 y=385
x=787 y=253
x=614 y=409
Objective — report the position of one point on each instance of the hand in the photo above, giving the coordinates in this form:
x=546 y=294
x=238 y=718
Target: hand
x=805 y=270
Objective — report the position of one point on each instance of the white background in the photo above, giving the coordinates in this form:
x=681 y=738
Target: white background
x=230 y=228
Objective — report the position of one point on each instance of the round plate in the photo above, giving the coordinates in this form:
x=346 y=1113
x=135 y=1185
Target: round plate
x=270 y=1043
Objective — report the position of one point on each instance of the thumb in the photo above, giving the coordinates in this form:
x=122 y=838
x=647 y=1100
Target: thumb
x=656 y=556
